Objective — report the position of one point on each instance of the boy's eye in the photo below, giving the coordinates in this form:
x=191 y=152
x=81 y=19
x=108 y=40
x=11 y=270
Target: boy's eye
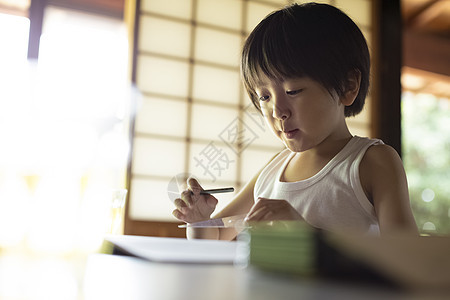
x=263 y=98
x=294 y=92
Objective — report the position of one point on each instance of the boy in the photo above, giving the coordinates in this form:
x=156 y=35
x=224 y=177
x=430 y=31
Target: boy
x=306 y=68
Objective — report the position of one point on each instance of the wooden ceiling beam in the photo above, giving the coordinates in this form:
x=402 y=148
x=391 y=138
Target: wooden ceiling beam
x=426 y=52
x=111 y=8
x=13 y=10
x=421 y=14
x=430 y=14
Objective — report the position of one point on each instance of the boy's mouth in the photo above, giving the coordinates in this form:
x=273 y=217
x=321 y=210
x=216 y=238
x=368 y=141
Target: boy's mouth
x=289 y=134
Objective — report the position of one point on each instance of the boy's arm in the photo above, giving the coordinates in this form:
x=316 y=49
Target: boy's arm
x=384 y=180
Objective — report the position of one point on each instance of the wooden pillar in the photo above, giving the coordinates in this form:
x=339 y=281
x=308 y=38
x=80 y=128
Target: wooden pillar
x=387 y=61
x=36 y=15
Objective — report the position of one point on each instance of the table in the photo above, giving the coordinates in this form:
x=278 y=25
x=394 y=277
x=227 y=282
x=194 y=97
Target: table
x=125 y=277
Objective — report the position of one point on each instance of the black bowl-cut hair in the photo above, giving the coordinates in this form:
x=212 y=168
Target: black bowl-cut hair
x=312 y=40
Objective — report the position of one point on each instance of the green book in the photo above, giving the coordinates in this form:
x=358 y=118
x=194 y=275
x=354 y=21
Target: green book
x=301 y=250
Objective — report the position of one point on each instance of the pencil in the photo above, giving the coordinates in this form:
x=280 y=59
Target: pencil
x=217 y=191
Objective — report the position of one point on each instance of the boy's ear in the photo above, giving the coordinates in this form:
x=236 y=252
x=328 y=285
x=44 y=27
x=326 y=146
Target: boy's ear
x=352 y=87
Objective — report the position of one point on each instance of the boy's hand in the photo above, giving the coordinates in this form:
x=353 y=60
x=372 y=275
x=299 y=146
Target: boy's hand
x=193 y=207
x=271 y=210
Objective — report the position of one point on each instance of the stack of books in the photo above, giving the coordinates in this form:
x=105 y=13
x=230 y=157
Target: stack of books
x=283 y=247
x=398 y=260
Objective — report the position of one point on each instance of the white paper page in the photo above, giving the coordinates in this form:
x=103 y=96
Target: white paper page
x=178 y=250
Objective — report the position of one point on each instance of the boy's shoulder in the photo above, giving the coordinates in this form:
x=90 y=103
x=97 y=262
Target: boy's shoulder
x=380 y=169
x=380 y=153
x=380 y=160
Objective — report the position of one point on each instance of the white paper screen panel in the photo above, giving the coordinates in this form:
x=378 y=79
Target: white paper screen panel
x=150 y=198
x=164 y=37
x=217 y=47
x=216 y=84
x=212 y=162
x=157 y=157
x=161 y=117
x=208 y=122
x=220 y=13
x=171 y=8
x=163 y=76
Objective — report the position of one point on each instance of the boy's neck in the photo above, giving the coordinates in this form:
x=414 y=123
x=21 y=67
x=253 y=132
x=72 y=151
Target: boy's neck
x=308 y=163
x=330 y=146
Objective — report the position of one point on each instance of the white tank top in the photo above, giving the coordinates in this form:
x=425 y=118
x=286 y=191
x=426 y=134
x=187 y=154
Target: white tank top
x=333 y=199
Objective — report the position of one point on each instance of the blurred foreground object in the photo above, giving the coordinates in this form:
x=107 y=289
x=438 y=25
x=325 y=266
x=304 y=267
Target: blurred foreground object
x=395 y=260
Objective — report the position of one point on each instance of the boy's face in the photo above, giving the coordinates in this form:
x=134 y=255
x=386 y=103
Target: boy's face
x=301 y=112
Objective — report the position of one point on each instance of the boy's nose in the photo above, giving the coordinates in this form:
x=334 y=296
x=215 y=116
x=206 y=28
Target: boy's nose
x=280 y=115
x=280 y=110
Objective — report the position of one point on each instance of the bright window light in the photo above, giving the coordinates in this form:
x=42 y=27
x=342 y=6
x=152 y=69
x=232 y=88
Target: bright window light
x=14 y=40
x=63 y=127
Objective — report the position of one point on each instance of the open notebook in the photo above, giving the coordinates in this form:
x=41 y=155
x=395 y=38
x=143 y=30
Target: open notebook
x=176 y=250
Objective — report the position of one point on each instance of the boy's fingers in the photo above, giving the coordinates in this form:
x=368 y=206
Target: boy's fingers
x=194 y=186
x=211 y=201
x=177 y=214
x=186 y=196
x=258 y=210
x=179 y=204
x=250 y=212
x=256 y=206
x=260 y=215
x=256 y=214
x=193 y=183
